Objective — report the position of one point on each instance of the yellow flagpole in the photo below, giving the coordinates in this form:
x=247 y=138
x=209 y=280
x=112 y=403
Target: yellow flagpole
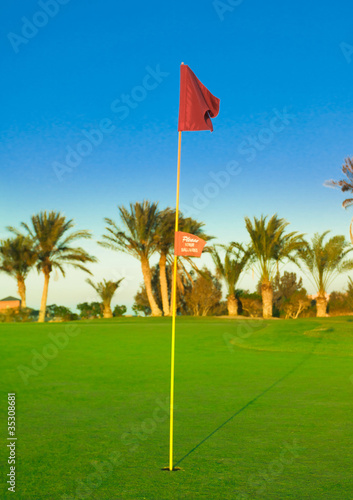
x=173 y=320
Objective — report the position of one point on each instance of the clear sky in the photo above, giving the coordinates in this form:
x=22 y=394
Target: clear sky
x=285 y=123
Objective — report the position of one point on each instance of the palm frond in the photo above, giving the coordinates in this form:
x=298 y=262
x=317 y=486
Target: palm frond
x=105 y=289
x=345 y=185
x=139 y=237
x=232 y=264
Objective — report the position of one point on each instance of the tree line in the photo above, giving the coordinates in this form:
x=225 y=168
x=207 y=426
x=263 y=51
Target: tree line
x=47 y=243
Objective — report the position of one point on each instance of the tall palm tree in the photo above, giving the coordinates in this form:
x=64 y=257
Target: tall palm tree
x=17 y=258
x=269 y=246
x=53 y=248
x=139 y=240
x=229 y=268
x=323 y=263
x=164 y=238
x=345 y=185
x=105 y=290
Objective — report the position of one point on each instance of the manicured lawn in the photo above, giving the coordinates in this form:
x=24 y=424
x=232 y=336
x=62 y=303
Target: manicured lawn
x=263 y=409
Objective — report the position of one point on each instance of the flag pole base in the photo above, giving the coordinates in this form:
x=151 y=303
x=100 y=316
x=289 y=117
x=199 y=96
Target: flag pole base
x=173 y=470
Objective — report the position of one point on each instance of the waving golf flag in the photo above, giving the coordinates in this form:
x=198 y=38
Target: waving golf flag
x=188 y=245
x=197 y=105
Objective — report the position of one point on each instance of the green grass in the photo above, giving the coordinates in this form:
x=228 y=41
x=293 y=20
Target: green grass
x=244 y=390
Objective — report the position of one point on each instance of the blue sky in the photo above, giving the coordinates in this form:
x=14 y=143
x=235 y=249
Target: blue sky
x=69 y=76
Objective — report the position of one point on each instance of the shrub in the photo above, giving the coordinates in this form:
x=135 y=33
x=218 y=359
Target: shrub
x=119 y=311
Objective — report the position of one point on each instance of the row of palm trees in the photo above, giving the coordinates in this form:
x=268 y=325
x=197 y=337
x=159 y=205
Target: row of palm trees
x=145 y=230
x=47 y=245
x=271 y=246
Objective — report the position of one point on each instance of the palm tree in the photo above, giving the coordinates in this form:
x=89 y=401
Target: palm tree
x=53 y=248
x=345 y=185
x=269 y=246
x=138 y=239
x=230 y=268
x=165 y=242
x=105 y=290
x=324 y=262
x=17 y=258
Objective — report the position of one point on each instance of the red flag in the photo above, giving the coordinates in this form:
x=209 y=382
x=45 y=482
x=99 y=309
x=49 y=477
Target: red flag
x=197 y=105
x=188 y=245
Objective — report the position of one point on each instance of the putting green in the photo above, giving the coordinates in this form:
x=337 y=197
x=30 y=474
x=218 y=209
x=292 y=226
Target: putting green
x=263 y=409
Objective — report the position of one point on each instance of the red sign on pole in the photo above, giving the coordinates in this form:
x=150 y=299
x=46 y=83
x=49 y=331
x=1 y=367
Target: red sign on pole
x=188 y=245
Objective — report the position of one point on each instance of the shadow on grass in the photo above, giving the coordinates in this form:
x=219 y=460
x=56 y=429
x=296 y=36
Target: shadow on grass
x=292 y=370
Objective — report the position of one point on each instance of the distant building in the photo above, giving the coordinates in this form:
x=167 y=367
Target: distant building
x=10 y=303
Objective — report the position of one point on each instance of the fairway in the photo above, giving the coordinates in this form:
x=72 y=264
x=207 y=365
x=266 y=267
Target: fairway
x=263 y=409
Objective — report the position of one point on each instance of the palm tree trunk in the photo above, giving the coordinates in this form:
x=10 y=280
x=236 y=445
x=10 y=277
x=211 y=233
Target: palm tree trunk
x=196 y=310
x=180 y=288
x=43 y=304
x=351 y=231
x=232 y=305
x=146 y=271
x=267 y=299
x=21 y=287
x=321 y=305
x=107 y=311
x=171 y=295
x=164 y=284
